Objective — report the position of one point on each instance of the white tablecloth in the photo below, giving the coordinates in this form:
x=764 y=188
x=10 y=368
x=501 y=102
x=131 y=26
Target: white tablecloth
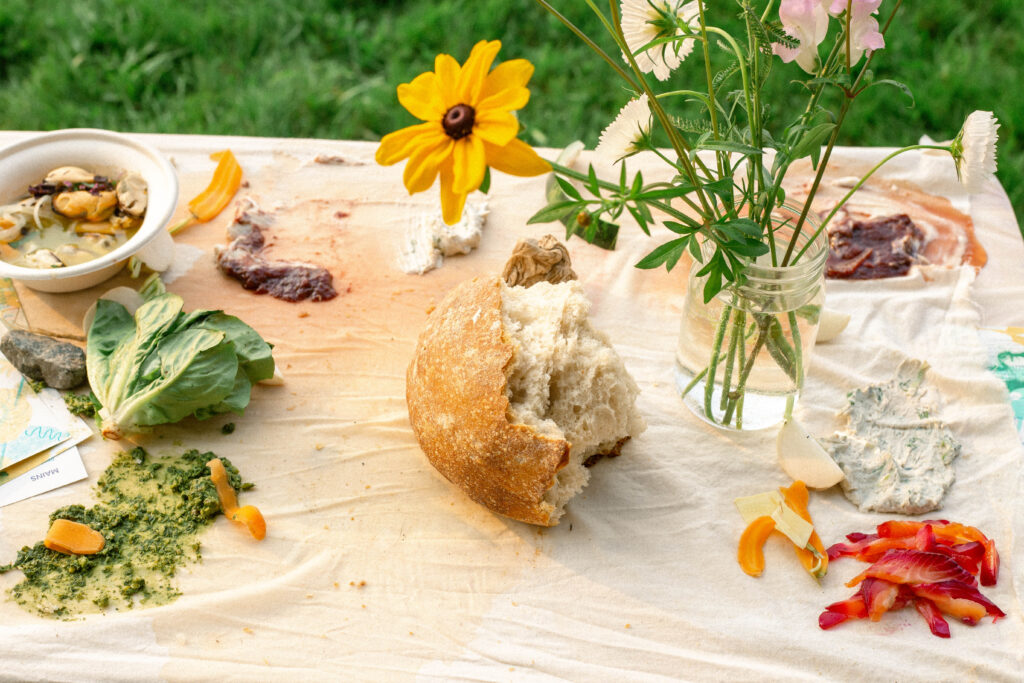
x=638 y=582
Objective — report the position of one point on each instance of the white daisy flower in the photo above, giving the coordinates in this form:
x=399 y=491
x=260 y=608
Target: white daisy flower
x=624 y=135
x=646 y=20
x=974 y=150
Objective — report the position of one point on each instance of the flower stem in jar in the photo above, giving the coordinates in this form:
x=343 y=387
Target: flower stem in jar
x=716 y=350
x=735 y=336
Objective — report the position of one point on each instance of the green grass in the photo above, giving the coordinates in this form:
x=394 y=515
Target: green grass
x=328 y=69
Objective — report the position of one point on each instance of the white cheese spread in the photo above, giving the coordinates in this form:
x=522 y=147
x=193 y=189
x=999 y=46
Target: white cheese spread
x=429 y=239
x=897 y=457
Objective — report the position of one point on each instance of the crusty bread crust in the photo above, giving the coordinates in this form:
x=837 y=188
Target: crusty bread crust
x=455 y=389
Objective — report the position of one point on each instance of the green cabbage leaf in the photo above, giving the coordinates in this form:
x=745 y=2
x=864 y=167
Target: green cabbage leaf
x=162 y=364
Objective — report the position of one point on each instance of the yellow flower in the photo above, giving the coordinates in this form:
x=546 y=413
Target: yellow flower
x=468 y=126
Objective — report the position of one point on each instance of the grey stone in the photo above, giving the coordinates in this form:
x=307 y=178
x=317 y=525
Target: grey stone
x=60 y=364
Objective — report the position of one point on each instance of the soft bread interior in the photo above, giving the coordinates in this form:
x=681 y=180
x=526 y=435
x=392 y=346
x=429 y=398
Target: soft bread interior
x=565 y=379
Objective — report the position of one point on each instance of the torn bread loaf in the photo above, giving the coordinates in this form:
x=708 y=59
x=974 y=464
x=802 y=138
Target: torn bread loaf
x=512 y=393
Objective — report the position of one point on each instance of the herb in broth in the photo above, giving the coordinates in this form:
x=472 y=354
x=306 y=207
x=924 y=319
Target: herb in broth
x=150 y=513
x=73 y=216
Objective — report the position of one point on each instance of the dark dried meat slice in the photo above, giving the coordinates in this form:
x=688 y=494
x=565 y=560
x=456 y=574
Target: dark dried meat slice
x=287 y=280
x=877 y=248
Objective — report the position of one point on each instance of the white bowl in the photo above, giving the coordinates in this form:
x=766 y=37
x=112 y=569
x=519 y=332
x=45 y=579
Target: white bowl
x=26 y=162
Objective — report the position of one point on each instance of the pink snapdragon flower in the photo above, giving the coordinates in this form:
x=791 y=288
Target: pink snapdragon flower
x=864 y=33
x=807 y=21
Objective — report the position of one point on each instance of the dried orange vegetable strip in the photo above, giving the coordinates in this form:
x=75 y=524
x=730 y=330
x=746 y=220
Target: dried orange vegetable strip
x=252 y=518
x=249 y=515
x=227 y=178
x=73 y=538
x=814 y=558
x=751 y=549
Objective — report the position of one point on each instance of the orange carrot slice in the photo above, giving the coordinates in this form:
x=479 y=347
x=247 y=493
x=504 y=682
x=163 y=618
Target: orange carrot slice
x=73 y=538
x=751 y=550
x=249 y=515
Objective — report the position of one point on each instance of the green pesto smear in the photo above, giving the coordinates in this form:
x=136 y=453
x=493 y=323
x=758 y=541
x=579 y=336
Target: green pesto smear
x=150 y=513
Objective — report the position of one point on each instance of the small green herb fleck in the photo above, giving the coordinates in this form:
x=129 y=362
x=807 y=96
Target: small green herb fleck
x=228 y=428
x=83 y=405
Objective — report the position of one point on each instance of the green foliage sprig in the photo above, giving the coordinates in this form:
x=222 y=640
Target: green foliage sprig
x=729 y=202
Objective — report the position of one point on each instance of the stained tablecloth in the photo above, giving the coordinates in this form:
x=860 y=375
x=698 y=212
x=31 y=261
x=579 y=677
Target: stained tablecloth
x=377 y=568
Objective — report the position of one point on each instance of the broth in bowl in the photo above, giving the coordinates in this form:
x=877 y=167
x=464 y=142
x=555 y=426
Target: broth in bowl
x=71 y=217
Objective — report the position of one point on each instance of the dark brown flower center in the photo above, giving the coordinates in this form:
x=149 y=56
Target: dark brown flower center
x=458 y=121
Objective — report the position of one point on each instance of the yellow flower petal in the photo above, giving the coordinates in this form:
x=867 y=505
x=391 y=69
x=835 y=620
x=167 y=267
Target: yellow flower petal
x=398 y=145
x=470 y=164
x=452 y=202
x=516 y=158
x=495 y=126
x=509 y=99
x=474 y=71
x=422 y=167
x=509 y=75
x=446 y=71
x=422 y=97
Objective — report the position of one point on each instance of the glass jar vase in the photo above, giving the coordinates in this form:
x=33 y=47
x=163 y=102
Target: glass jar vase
x=741 y=357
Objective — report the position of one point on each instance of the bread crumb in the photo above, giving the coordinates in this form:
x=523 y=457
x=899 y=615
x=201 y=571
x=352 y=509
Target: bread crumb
x=364 y=606
x=309 y=596
x=304 y=314
x=337 y=585
x=248 y=630
x=367 y=486
x=319 y=446
x=628 y=626
x=430 y=308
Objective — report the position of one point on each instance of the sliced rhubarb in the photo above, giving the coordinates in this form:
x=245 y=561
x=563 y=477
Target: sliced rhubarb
x=838 y=612
x=879 y=596
x=880 y=546
x=897 y=528
x=914 y=566
x=852 y=549
x=870 y=547
x=989 y=564
x=950 y=532
x=932 y=616
x=967 y=555
x=924 y=539
x=959 y=600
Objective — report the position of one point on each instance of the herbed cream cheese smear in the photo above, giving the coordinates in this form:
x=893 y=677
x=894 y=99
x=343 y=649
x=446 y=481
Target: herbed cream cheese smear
x=897 y=456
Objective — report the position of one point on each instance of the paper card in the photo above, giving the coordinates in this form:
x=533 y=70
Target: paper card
x=27 y=424
x=80 y=431
x=60 y=470
x=78 y=427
